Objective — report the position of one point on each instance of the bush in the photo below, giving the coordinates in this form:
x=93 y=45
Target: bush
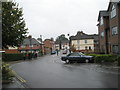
x=118 y=59
x=12 y=57
x=104 y=58
x=7 y=74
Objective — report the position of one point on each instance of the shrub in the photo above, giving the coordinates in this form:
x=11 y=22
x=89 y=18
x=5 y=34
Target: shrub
x=12 y=57
x=104 y=58
x=6 y=73
x=118 y=59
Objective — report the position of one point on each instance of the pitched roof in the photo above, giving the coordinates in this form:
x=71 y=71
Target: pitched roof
x=63 y=42
x=81 y=35
x=33 y=41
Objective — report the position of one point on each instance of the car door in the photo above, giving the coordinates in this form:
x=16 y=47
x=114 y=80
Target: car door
x=75 y=56
x=82 y=58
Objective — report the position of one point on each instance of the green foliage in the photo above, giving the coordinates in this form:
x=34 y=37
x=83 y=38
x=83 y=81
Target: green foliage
x=104 y=58
x=99 y=58
x=118 y=59
x=12 y=57
x=72 y=48
x=6 y=73
x=13 y=25
x=61 y=38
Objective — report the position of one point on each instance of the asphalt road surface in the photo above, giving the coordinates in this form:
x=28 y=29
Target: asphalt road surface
x=50 y=72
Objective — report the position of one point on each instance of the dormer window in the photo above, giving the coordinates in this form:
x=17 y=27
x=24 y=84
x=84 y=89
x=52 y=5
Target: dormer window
x=101 y=21
x=113 y=12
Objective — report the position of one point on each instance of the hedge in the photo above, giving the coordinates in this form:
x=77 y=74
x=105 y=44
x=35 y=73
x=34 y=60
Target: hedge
x=104 y=58
x=99 y=58
x=118 y=59
x=12 y=57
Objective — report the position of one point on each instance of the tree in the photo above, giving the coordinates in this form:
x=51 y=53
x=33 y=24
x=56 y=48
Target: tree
x=60 y=39
x=13 y=25
x=72 y=48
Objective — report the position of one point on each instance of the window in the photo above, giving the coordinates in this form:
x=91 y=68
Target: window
x=102 y=34
x=113 y=12
x=114 y=31
x=86 y=47
x=22 y=46
x=30 y=45
x=85 y=41
x=90 y=48
x=78 y=48
x=101 y=21
x=78 y=42
x=115 y=49
x=74 y=54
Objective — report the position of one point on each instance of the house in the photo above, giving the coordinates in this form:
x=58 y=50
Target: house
x=84 y=42
x=31 y=45
x=109 y=29
x=64 y=45
x=49 y=46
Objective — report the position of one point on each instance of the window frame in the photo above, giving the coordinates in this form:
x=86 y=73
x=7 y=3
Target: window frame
x=114 y=30
x=113 y=12
x=102 y=34
x=85 y=41
x=114 y=49
x=101 y=21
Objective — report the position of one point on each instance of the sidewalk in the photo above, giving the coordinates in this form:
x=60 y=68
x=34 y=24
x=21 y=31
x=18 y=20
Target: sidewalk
x=18 y=82
x=15 y=84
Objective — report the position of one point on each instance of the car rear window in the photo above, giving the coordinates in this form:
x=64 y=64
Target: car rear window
x=74 y=54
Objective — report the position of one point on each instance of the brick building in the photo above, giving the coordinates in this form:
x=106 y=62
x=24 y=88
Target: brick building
x=109 y=29
x=49 y=46
x=31 y=45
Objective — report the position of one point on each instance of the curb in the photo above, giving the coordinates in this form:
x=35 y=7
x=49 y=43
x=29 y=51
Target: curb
x=20 y=80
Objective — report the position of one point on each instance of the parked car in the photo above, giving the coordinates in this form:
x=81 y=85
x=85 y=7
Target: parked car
x=53 y=52
x=77 y=57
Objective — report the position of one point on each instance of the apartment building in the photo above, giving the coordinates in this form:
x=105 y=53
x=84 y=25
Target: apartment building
x=109 y=29
x=85 y=43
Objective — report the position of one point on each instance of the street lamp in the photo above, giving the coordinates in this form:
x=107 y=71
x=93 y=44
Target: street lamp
x=30 y=39
x=69 y=42
x=41 y=44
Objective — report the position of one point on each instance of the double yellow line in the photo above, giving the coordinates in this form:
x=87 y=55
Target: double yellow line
x=18 y=77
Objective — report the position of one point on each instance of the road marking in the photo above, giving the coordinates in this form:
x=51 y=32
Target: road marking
x=19 y=78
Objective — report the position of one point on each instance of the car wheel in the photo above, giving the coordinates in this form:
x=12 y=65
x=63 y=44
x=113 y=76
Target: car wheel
x=67 y=61
x=86 y=60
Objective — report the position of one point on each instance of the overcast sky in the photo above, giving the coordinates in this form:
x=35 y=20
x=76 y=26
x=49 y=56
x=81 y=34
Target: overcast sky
x=51 y=18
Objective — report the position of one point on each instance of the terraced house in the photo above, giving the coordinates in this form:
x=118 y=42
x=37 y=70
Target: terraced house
x=85 y=43
x=109 y=29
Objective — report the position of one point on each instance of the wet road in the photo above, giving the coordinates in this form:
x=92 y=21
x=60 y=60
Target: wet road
x=50 y=72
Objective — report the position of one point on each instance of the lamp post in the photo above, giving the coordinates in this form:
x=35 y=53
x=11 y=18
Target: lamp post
x=41 y=44
x=69 y=43
x=30 y=39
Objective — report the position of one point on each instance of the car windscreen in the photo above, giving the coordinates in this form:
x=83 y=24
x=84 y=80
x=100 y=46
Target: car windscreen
x=81 y=54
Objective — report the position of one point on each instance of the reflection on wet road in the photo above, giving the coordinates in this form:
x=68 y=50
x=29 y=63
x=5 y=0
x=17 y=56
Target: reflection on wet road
x=50 y=72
